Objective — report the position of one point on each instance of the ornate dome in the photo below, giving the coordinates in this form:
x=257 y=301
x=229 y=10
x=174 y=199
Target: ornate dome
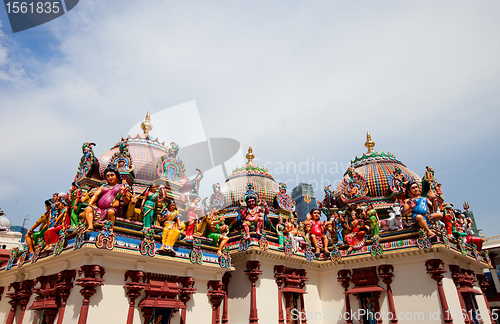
x=146 y=153
x=4 y=221
x=372 y=175
x=235 y=186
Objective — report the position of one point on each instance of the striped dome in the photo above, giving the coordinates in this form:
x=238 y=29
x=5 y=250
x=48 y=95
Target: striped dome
x=235 y=186
x=377 y=170
x=146 y=153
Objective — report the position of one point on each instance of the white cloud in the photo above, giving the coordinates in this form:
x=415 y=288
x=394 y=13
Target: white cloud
x=8 y=190
x=292 y=79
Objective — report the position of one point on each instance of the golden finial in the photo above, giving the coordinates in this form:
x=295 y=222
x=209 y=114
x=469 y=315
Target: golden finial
x=369 y=144
x=146 y=125
x=250 y=155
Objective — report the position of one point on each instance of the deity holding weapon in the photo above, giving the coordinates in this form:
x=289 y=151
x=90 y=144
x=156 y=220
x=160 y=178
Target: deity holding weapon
x=33 y=238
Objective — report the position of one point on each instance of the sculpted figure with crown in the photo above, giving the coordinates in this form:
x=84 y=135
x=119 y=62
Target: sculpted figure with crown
x=253 y=214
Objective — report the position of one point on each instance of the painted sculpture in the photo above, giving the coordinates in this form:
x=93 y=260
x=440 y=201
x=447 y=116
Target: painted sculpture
x=105 y=203
x=193 y=210
x=34 y=238
x=148 y=206
x=253 y=215
x=171 y=227
x=317 y=231
x=422 y=209
x=75 y=194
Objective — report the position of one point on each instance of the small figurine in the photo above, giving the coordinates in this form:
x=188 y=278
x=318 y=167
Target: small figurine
x=105 y=202
x=280 y=229
x=317 y=231
x=217 y=230
x=75 y=194
x=253 y=214
x=372 y=215
x=148 y=206
x=193 y=210
x=60 y=223
x=448 y=215
x=422 y=209
x=339 y=222
x=171 y=226
x=34 y=238
x=356 y=239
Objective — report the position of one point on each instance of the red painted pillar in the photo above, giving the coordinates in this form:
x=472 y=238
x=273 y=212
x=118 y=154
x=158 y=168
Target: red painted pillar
x=344 y=277
x=288 y=302
x=134 y=288
x=14 y=301
x=253 y=271
x=225 y=281
x=279 y=274
x=24 y=294
x=435 y=267
x=484 y=284
x=88 y=283
x=216 y=295
x=64 y=286
x=386 y=272
x=185 y=295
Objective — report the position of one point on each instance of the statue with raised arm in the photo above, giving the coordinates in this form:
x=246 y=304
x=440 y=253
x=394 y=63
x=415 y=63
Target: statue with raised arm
x=422 y=209
x=34 y=238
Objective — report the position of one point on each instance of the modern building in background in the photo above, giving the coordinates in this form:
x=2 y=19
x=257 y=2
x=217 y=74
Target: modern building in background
x=305 y=200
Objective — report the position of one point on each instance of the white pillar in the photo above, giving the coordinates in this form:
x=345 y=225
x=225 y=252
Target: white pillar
x=496 y=280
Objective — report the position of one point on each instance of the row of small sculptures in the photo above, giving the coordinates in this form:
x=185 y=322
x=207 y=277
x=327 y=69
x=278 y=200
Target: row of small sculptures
x=358 y=222
x=80 y=208
x=66 y=211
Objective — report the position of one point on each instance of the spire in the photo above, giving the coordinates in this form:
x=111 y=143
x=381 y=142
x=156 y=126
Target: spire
x=146 y=125
x=250 y=155
x=369 y=144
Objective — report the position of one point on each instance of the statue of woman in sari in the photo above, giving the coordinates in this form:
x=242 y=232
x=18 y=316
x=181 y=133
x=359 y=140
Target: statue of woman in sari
x=171 y=227
x=148 y=206
x=105 y=202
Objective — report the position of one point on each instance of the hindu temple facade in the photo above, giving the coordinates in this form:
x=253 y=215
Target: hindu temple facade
x=158 y=253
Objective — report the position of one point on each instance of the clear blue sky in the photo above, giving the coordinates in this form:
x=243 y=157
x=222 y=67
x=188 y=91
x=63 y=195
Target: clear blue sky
x=299 y=81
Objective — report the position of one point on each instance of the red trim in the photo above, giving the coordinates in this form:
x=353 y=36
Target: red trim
x=469 y=290
x=88 y=283
x=253 y=272
x=363 y=289
x=185 y=295
x=435 y=267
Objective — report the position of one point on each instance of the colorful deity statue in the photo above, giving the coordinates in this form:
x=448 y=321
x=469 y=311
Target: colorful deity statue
x=149 y=205
x=448 y=216
x=339 y=223
x=217 y=230
x=329 y=201
x=373 y=219
x=171 y=226
x=422 y=209
x=356 y=239
x=397 y=180
x=253 y=214
x=61 y=222
x=105 y=202
x=430 y=184
x=33 y=238
x=280 y=230
x=317 y=231
x=75 y=194
x=87 y=162
x=193 y=211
